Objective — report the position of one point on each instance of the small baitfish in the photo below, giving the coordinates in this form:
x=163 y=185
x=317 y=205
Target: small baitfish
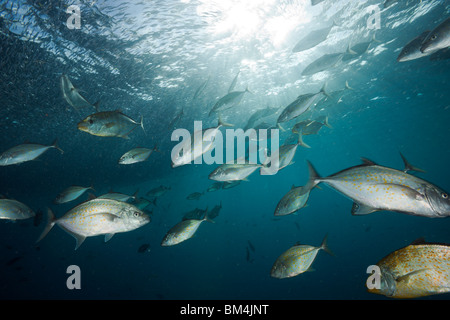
x=297 y=260
x=14 y=210
x=418 y=270
x=373 y=188
x=109 y=124
x=25 y=152
x=97 y=217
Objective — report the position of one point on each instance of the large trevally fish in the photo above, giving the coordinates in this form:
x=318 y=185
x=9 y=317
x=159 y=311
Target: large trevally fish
x=98 y=217
x=373 y=188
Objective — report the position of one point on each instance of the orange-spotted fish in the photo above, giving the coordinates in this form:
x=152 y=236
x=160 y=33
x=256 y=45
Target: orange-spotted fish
x=373 y=187
x=109 y=124
x=418 y=270
x=98 y=217
x=297 y=260
x=183 y=231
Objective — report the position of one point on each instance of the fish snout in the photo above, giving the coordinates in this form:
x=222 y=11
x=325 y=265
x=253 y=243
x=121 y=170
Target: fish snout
x=82 y=125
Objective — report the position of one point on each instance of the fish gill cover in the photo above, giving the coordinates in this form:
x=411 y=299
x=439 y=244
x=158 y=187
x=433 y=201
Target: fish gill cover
x=161 y=65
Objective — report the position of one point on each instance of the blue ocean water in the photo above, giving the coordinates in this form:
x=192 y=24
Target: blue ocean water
x=148 y=59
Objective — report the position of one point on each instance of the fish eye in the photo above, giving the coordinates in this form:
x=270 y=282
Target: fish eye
x=444 y=195
x=136 y=214
x=91 y=121
x=433 y=37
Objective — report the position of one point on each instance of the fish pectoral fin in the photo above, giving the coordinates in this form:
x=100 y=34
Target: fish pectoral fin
x=109 y=125
x=108 y=236
x=361 y=209
x=412 y=193
x=405 y=278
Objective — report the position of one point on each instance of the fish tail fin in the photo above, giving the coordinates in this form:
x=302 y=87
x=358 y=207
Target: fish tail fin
x=349 y=49
x=314 y=178
x=374 y=39
x=347 y=86
x=96 y=105
x=326 y=123
x=280 y=127
x=50 y=223
x=142 y=124
x=207 y=218
x=325 y=247
x=300 y=141
x=408 y=166
x=155 y=148
x=324 y=91
x=222 y=123
x=55 y=145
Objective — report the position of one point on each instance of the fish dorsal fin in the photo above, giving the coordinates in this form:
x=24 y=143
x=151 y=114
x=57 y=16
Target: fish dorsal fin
x=360 y=209
x=368 y=162
x=418 y=241
x=408 y=166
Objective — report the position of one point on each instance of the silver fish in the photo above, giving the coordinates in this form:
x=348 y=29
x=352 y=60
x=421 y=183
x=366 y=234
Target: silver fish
x=300 y=105
x=373 y=188
x=411 y=50
x=109 y=124
x=136 y=155
x=358 y=49
x=187 y=148
x=313 y=39
x=233 y=171
x=14 y=210
x=258 y=115
x=183 y=231
x=297 y=260
x=230 y=100
x=438 y=38
x=97 y=217
x=327 y=61
x=73 y=96
x=25 y=152
x=308 y=127
x=70 y=194
x=118 y=196
x=292 y=201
